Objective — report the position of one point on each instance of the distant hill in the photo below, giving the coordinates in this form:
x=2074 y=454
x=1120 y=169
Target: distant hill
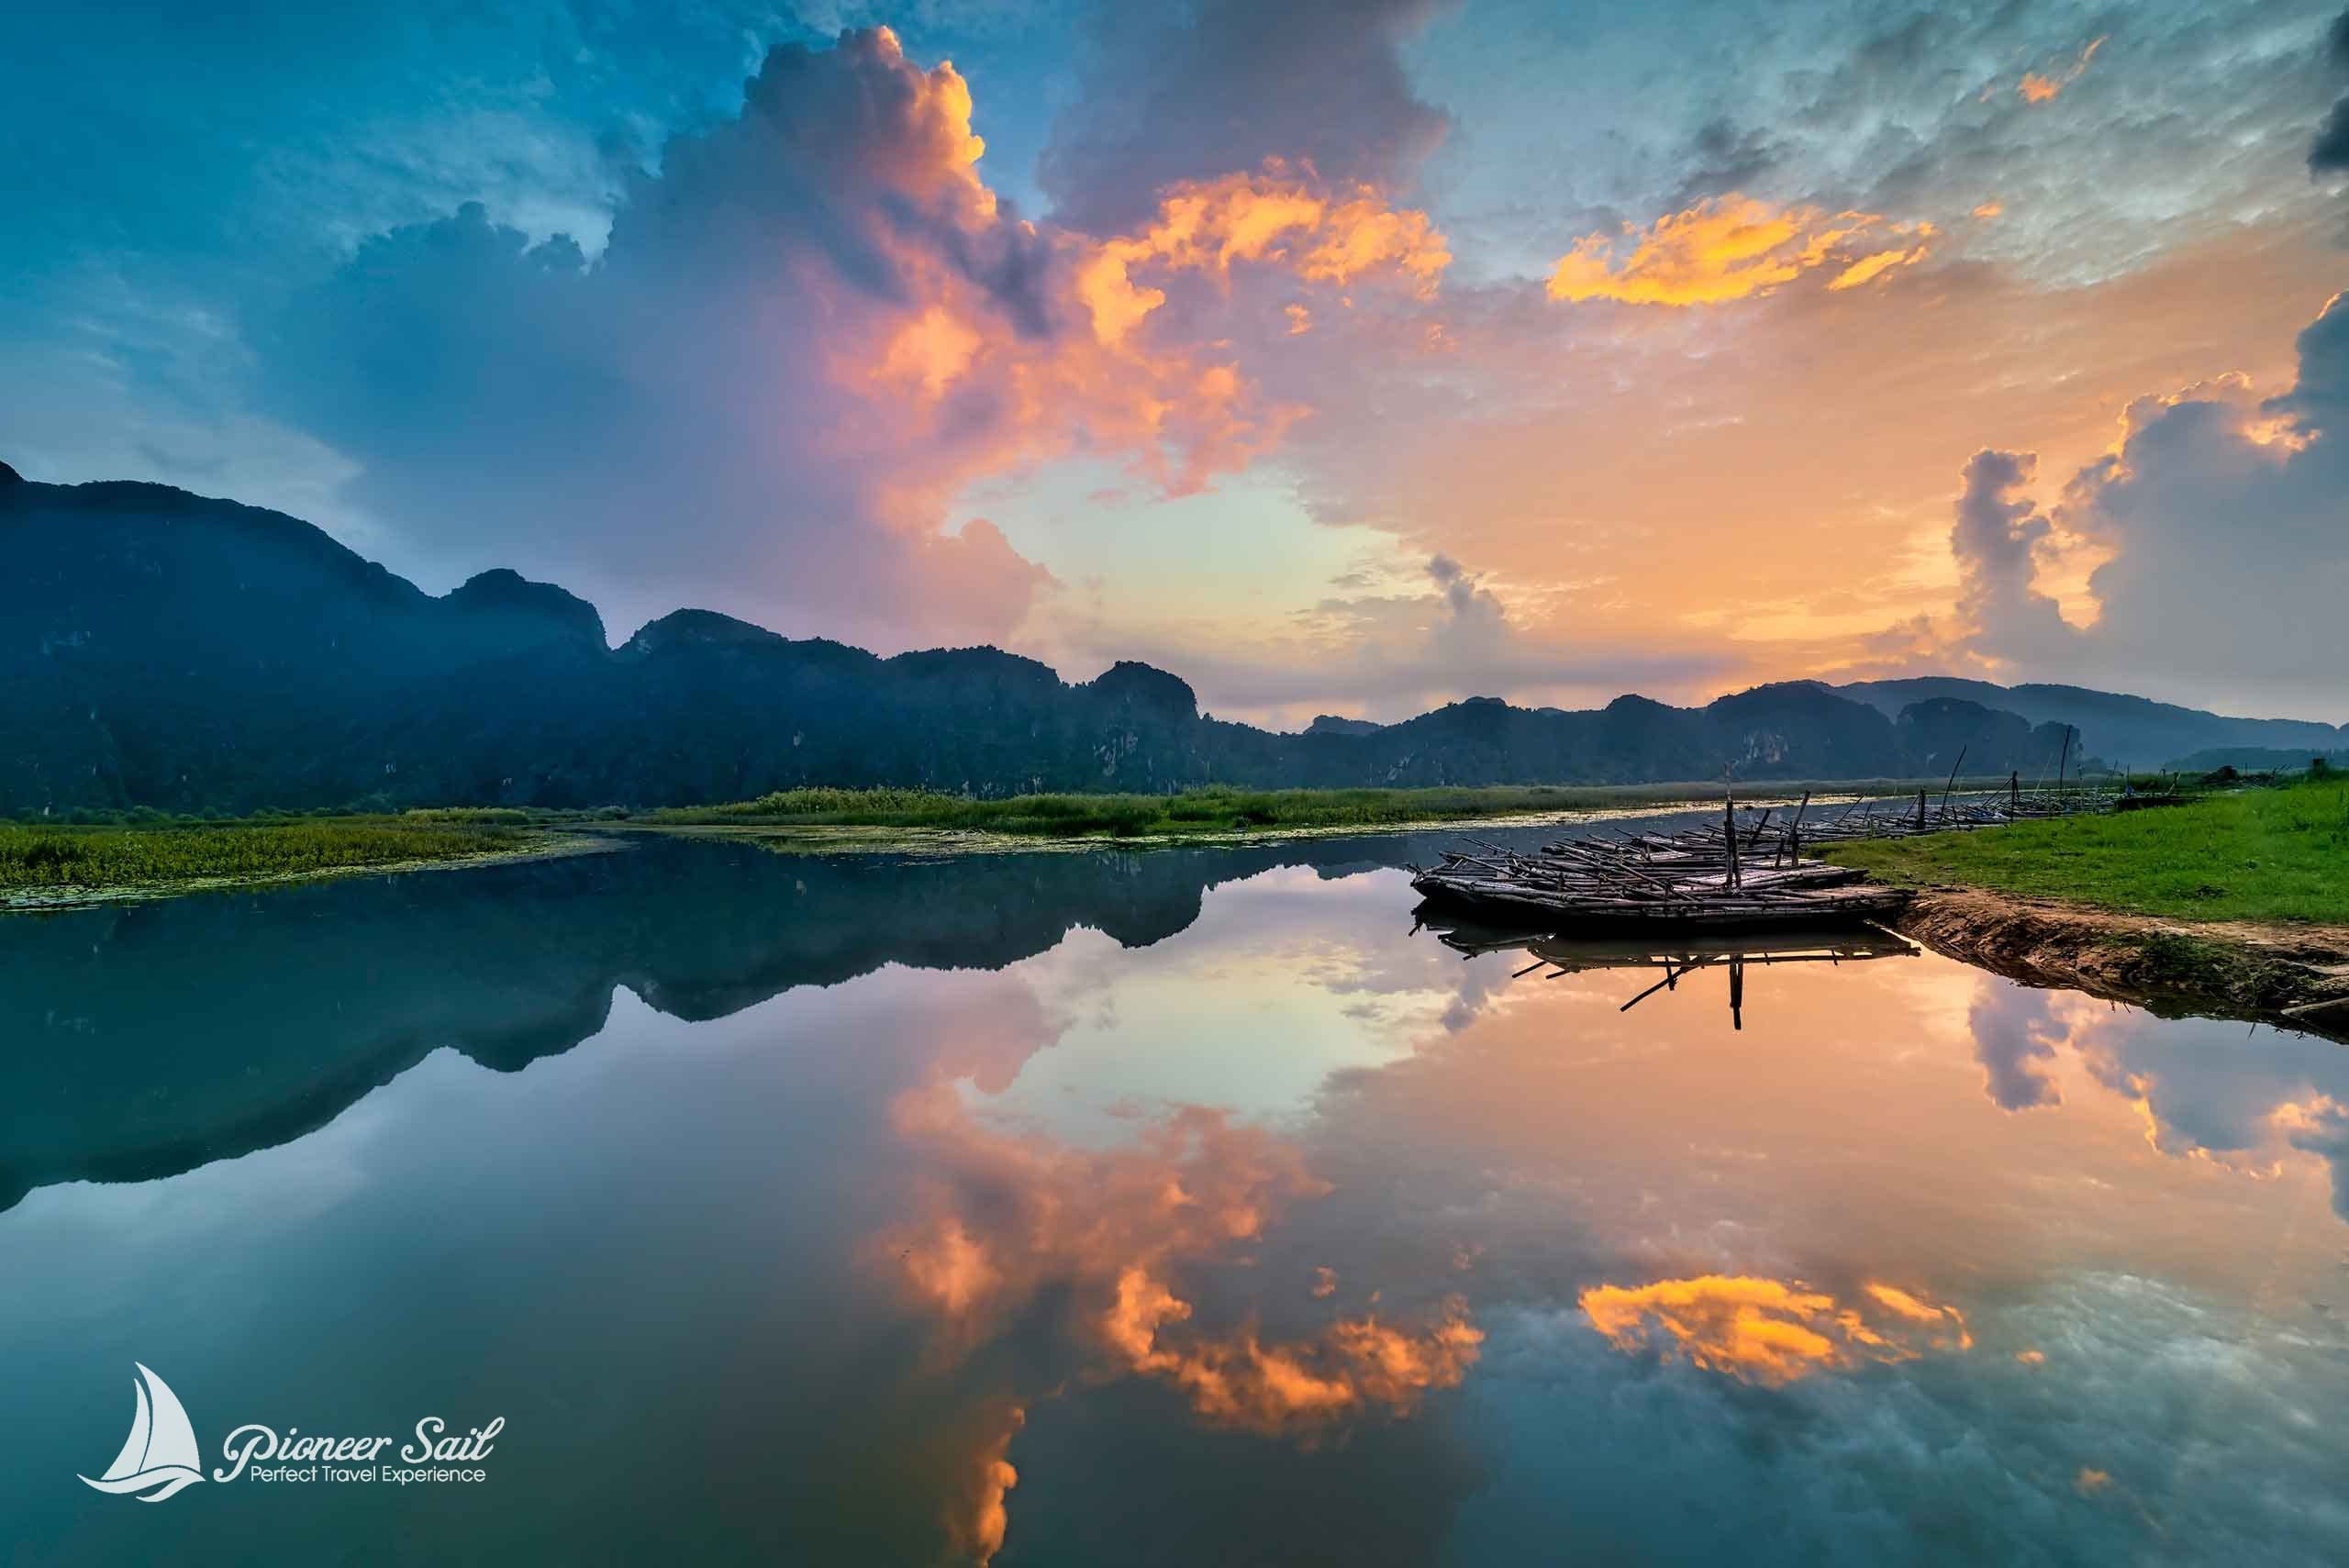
x=166 y=651
x=2258 y=759
x=2127 y=732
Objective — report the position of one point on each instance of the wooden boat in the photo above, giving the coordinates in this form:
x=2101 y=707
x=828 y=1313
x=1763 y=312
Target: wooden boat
x=1565 y=909
x=1689 y=881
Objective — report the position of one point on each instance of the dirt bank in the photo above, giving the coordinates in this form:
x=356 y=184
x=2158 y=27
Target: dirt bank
x=2295 y=976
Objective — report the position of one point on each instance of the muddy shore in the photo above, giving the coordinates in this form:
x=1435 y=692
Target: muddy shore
x=2291 y=977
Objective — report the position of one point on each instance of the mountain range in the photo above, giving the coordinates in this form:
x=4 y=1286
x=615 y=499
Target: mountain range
x=168 y=651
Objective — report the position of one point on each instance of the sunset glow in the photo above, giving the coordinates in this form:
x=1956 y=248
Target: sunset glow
x=1687 y=382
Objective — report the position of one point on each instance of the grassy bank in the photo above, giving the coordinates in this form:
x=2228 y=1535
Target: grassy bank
x=38 y=861
x=1201 y=811
x=2276 y=854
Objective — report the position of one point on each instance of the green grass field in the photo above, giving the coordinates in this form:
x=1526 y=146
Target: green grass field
x=47 y=859
x=1208 y=811
x=2279 y=854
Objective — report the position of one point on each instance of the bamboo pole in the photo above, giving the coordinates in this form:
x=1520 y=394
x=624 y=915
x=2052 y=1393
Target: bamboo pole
x=1729 y=824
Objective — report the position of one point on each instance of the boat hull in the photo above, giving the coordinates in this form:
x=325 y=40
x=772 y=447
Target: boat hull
x=1827 y=906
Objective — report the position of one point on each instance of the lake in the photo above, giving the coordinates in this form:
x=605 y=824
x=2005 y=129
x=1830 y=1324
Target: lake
x=1181 y=1207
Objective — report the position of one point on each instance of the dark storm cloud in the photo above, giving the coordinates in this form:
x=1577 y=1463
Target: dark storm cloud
x=1722 y=158
x=2330 y=152
x=1222 y=85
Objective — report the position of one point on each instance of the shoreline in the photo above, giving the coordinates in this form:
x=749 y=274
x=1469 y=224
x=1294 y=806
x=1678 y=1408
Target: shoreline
x=552 y=844
x=2290 y=976
x=848 y=837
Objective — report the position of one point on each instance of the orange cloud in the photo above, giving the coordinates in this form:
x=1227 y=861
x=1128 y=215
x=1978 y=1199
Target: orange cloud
x=1270 y=217
x=2038 y=89
x=930 y=351
x=1867 y=267
x=1990 y=209
x=980 y=1531
x=1769 y=1331
x=1011 y=1219
x=1730 y=248
x=1006 y=1216
x=1357 y=1364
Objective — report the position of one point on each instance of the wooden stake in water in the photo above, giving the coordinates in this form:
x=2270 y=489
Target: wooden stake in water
x=1729 y=824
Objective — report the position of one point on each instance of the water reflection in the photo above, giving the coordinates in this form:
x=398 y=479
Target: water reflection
x=1064 y=1209
x=1677 y=959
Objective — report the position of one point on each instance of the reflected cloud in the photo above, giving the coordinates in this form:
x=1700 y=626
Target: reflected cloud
x=2204 y=1097
x=1010 y=1219
x=1004 y=1216
x=2321 y=1128
x=1236 y=1380
x=1771 y=1331
x=981 y=1534
x=2015 y=1040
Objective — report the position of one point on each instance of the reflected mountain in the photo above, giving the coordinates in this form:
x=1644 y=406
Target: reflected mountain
x=1251 y=1216
x=151 y=1039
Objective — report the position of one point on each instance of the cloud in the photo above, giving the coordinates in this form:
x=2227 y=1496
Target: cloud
x=2211 y=500
x=2216 y=505
x=2042 y=89
x=1189 y=93
x=2329 y=150
x=698 y=404
x=1006 y=1220
x=2320 y=1127
x=1771 y=1331
x=2202 y=1093
x=809 y=331
x=2015 y=1039
x=1726 y=248
x=2329 y=154
x=1274 y=215
x=1356 y=1365
x=1996 y=540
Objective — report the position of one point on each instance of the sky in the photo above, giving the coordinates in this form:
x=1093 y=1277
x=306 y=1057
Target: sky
x=1344 y=356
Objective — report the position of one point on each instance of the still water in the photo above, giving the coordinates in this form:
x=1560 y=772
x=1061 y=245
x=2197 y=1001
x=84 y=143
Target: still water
x=1180 y=1208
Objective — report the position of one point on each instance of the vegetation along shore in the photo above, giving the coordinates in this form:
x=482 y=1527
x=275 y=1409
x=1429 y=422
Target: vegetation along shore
x=52 y=867
x=48 y=865
x=2234 y=901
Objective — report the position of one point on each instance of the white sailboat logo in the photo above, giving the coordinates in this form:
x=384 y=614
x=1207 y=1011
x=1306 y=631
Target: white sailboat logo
x=160 y=1451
